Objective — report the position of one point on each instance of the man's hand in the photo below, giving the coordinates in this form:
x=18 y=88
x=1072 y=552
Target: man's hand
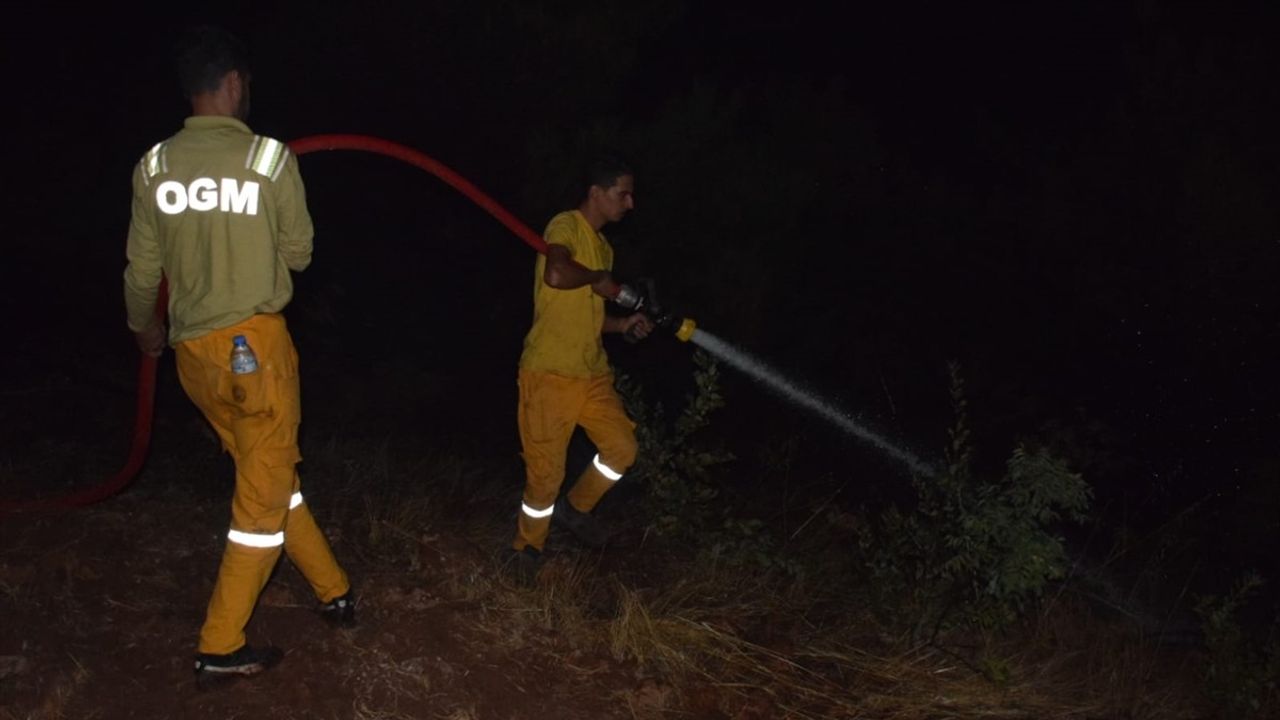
x=151 y=341
x=636 y=327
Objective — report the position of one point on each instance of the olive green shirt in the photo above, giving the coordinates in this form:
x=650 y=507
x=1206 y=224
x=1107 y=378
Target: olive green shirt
x=565 y=337
x=220 y=213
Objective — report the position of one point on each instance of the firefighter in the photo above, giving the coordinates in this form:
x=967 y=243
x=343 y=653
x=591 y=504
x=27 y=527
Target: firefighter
x=564 y=377
x=221 y=214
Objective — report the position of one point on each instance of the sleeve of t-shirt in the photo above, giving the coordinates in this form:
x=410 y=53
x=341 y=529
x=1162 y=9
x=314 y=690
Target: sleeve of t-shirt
x=146 y=262
x=563 y=230
x=295 y=232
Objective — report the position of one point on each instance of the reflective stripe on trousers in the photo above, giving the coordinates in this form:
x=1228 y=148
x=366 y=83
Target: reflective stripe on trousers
x=256 y=540
x=263 y=540
x=531 y=512
x=605 y=470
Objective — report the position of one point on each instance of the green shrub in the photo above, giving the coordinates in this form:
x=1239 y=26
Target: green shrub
x=675 y=463
x=1242 y=674
x=975 y=550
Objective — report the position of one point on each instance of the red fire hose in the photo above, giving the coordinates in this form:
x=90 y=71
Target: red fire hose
x=424 y=162
x=147 y=366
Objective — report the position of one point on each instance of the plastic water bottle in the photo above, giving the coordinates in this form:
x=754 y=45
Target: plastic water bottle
x=243 y=361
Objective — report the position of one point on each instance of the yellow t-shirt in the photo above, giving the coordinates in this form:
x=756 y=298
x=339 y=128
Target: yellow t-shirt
x=565 y=337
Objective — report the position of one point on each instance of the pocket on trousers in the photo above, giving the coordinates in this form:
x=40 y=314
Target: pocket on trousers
x=248 y=394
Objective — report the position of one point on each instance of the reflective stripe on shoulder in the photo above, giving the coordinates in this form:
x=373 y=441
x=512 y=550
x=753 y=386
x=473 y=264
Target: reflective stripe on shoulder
x=267 y=156
x=154 y=162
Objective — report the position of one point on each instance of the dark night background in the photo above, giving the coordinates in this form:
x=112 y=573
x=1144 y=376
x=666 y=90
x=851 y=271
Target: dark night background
x=1074 y=201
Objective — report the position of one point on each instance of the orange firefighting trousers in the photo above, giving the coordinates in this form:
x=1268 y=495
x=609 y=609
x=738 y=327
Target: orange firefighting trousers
x=256 y=415
x=550 y=407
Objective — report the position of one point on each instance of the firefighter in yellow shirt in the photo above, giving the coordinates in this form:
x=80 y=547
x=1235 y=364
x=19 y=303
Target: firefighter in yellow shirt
x=221 y=214
x=565 y=379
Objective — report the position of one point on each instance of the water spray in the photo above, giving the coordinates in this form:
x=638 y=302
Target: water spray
x=686 y=330
x=804 y=397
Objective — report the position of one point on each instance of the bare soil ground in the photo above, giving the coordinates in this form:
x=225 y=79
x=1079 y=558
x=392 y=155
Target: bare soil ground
x=102 y=607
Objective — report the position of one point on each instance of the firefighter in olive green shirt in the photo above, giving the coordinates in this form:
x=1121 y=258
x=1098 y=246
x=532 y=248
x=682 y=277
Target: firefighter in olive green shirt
x=220 y=215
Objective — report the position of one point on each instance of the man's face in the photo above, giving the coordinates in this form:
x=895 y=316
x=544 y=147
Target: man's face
x=618 y=199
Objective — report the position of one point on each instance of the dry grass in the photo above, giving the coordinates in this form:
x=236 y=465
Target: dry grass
x=847 y=672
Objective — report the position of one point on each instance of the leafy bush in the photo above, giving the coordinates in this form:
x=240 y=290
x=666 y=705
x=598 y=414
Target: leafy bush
x=674 y=463
x=975 y=550
x=1242 y=675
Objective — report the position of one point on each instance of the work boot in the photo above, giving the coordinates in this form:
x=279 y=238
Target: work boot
x=340 y=612
x=522 y=565
x=248 y=660
x=584 y=526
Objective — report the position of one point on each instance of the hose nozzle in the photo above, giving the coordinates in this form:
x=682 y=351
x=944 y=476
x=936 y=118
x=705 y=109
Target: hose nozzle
x=647 y=302
x=629 y=298
x=685 y=331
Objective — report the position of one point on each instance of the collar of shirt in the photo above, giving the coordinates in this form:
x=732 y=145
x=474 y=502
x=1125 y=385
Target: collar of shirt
x=214 y=122
x=582 y=221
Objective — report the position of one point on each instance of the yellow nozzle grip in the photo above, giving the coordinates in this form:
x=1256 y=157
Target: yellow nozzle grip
x=685 y=331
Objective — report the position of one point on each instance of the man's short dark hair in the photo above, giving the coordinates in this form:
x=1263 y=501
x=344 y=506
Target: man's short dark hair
x=205 y=54
x=604 y=171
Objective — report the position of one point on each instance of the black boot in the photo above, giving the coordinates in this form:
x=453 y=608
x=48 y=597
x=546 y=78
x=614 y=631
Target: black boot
x=584 y=526
x=248 y=660
x=340 y=612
